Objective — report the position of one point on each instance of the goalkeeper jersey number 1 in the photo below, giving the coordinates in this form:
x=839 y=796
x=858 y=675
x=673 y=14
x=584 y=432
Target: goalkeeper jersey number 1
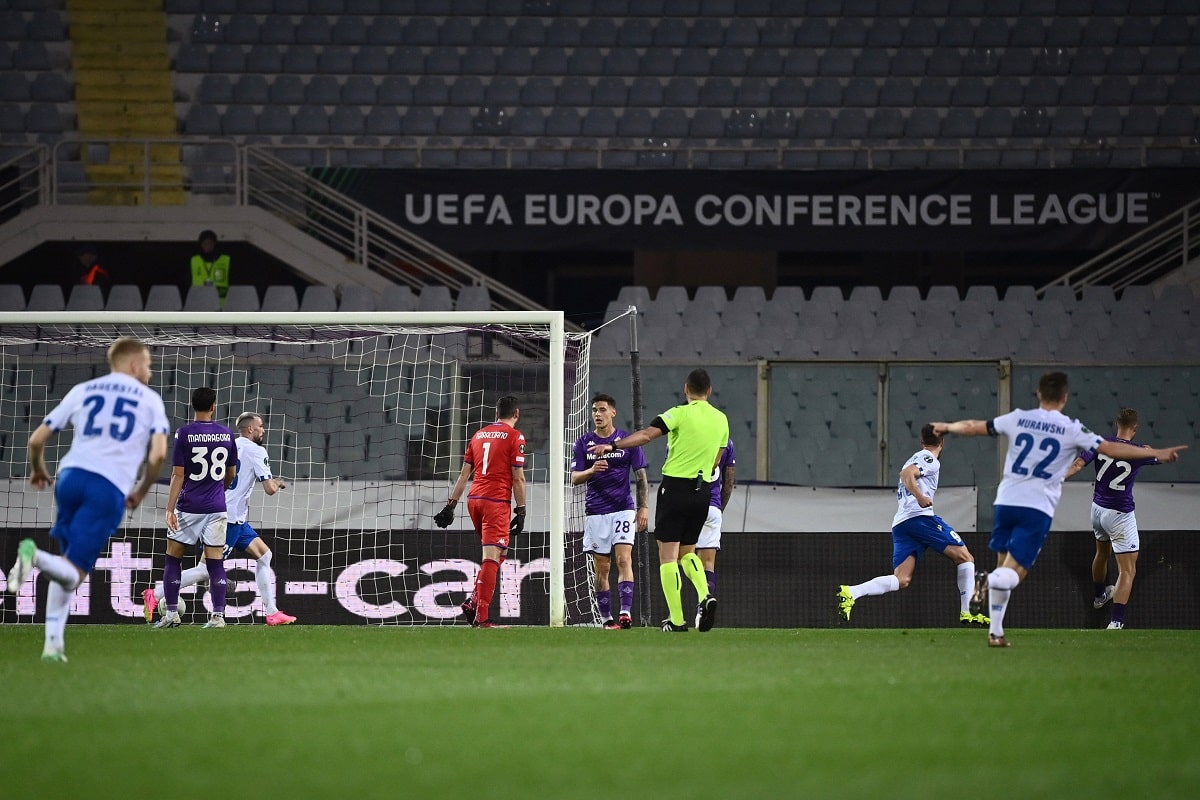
x=493 y=452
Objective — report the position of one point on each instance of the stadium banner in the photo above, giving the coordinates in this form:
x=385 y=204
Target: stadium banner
x=767 y=580
x=877 y=210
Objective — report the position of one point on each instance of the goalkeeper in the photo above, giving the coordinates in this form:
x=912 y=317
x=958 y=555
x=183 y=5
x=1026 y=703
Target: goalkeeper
x=494 y=465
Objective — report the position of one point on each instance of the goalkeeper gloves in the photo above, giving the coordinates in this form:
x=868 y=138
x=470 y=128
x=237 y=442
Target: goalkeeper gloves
x=444 y=517
x=518 y=521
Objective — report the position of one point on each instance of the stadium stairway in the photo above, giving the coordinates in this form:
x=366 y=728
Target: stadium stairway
x=123 y=90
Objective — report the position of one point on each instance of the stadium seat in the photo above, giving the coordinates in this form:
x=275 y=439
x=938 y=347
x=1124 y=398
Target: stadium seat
x=280 y=298
x=397 y=298
x=121 y=297
x=202 y=298
x=164 y=297
x=241 y=297
x=318 y=299
x=85 y=297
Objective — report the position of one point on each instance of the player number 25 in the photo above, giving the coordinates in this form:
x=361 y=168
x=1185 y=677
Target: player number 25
x=122 y=415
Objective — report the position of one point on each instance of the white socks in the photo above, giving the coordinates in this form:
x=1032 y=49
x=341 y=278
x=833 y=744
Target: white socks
x=189 y=577
x=266 y=587
x=57 y=569
x=1001 y=582
x=64 y=578
x=966 y=585
x=262 y=576
x=881 y=585
x=58 y=608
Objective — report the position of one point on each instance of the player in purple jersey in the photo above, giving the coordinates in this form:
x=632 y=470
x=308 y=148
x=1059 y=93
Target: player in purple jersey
x=118 y=422
x=205 y=465
x=710 y=535
x=611 y=520
x=1113 y=521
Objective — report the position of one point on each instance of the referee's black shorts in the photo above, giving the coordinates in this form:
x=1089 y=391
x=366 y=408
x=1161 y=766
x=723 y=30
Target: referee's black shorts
x=681 y=510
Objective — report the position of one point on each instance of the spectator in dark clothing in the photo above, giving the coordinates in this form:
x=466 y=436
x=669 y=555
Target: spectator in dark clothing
x=88 y=269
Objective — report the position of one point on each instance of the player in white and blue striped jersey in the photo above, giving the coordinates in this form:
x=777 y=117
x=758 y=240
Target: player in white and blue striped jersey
x=119 y=422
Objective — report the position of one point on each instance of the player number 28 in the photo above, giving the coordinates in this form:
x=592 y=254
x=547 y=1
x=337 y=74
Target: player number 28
x=621 y=526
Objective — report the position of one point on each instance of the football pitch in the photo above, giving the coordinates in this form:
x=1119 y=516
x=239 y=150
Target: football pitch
x=370 y=712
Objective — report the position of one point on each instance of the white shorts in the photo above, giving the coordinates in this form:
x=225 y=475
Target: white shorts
x=601 y=532
x=1118 y=527
x=710 y=534
x=206 y=529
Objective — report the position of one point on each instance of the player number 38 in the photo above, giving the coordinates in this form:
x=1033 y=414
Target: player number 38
x=214 y=469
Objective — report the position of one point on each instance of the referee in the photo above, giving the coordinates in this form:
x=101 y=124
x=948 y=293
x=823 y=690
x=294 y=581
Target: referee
x=696 y=437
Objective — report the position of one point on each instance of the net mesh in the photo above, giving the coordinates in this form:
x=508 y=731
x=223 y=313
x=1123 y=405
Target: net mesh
x=367 y=424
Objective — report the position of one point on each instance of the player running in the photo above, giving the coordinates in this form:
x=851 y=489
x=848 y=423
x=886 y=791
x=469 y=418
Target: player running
x=1113 y=520
x=116 y=418
x=916 y=528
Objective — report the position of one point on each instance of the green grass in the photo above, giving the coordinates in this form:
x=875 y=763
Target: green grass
x=365 y=712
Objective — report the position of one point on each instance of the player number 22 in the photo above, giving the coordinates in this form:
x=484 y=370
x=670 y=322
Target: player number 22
x=1048 y=446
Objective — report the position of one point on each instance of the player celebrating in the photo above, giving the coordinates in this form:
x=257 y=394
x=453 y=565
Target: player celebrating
x=494 y=465
x=916 y=528
x=710 y=535
x=1113 y=521
x=1042 y=444
x=115 y=418
x=252 y=457
x=696 y=437
x=205 y=465
x=610 y=519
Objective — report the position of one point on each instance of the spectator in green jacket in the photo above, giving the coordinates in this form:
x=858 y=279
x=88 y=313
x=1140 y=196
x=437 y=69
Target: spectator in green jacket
x=210 y=267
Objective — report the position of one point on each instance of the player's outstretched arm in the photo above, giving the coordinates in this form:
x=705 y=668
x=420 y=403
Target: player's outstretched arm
x=1133 y=452
x=964 y=427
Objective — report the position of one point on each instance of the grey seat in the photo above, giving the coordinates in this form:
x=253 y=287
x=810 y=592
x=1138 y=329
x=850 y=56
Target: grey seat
x=435 y=298
x=202 y=298
x=121 y=297
x=356 y=298
x=318 y=299
x=85 y=297
x=164 y=297
x=473 y=298
x=241 y=297
x=397 y=298
x=280 y=298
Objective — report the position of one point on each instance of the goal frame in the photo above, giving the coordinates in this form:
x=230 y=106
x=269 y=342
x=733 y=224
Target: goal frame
x=554 y=320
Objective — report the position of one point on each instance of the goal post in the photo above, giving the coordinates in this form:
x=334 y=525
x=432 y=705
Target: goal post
x=367 y=417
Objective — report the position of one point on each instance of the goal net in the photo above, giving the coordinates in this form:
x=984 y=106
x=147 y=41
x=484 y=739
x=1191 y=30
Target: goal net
x=367 y=417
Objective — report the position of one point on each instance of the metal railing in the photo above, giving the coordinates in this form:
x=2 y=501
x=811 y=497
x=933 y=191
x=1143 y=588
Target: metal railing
x=363 y=235
x=24 y=181
x=1150 y=253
